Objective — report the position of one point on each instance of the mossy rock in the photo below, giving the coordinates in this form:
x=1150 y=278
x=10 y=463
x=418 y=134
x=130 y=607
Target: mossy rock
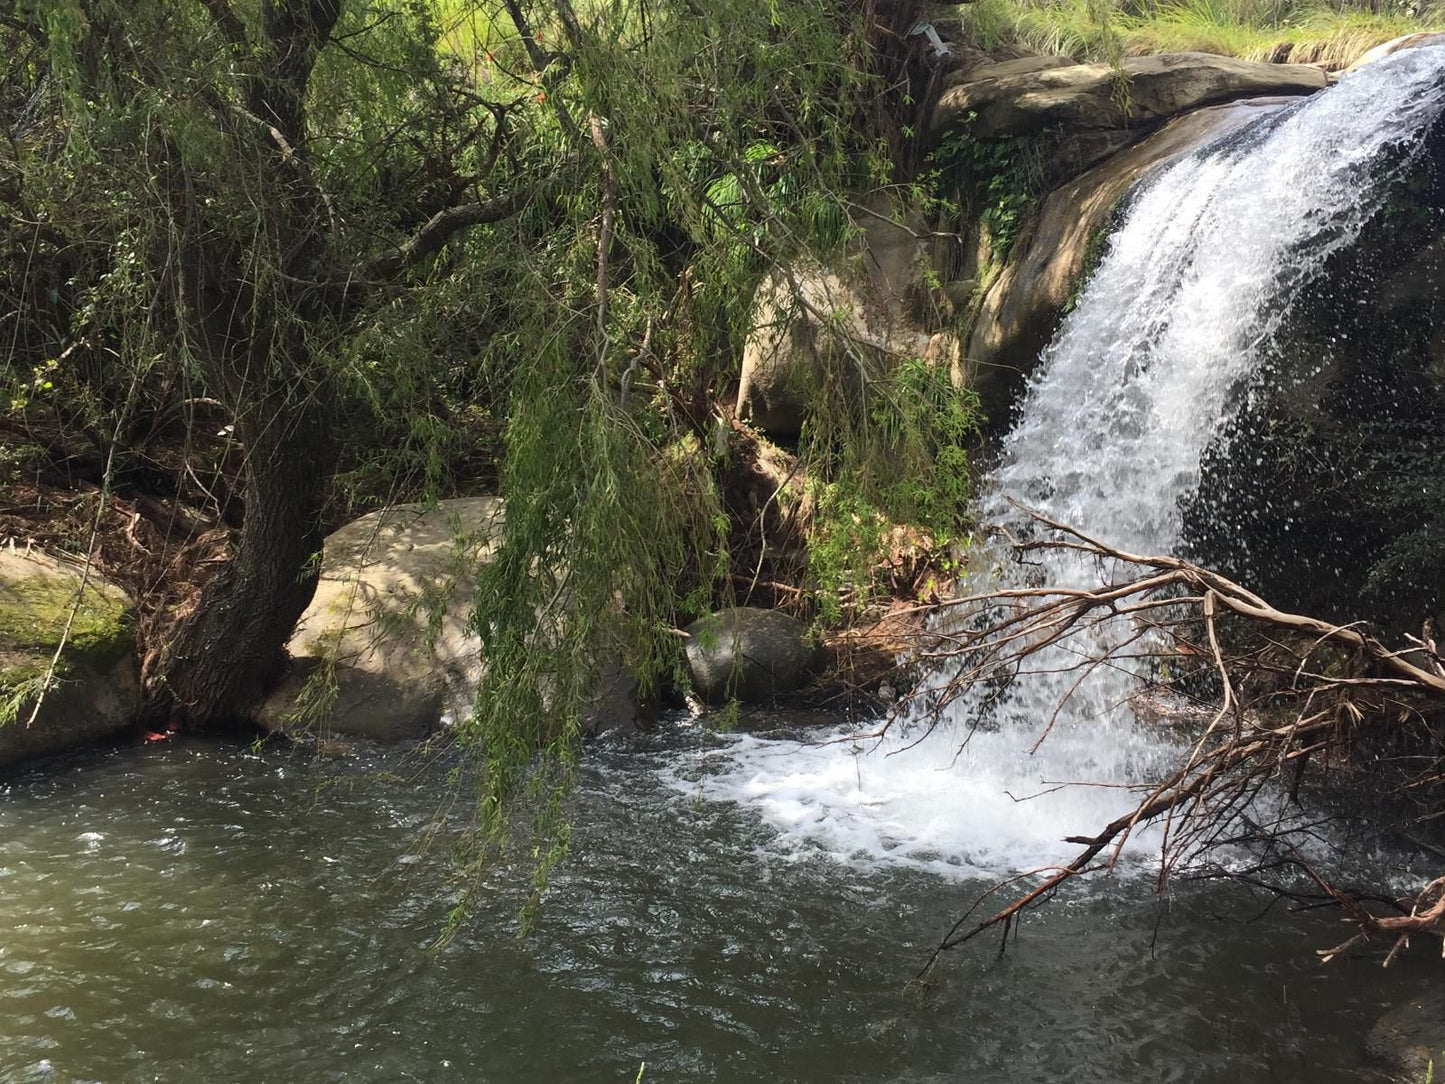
x=95 y=688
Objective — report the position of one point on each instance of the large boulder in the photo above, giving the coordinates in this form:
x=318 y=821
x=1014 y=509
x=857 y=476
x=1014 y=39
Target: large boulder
x=1015 y=98
x=42 y=600
x=1024 y=305
x=1411 y=1035
x=384 y=650
x=749 y=654
x=808 y=324
x=1395 y=45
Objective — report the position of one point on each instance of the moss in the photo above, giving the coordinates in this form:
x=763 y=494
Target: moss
x=34 y=611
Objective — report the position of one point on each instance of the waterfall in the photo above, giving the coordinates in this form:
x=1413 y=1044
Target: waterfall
x=1210 y=254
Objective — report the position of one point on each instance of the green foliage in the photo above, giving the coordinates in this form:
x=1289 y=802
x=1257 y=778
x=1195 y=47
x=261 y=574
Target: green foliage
x=995 y=181
x=1302 y=31
x=903 y=468
x=730 y=149
x=665 y=160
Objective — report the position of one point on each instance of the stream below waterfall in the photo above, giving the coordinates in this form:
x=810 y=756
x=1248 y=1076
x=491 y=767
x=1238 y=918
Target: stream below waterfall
x=207 y=911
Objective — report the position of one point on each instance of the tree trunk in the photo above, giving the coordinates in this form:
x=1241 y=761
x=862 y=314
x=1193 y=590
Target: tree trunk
x=229 y=651
x=250 y=332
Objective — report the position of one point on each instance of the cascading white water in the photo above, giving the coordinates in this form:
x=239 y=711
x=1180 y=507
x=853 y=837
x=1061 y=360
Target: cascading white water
x=1207 y=261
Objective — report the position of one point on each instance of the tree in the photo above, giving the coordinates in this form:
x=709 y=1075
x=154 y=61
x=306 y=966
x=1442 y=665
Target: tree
x=259 y=251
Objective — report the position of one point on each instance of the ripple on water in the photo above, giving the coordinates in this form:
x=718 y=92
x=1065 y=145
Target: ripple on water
x=676 y=935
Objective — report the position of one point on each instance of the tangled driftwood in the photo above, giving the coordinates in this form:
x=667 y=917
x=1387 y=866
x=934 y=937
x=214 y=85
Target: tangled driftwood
x=1286 y=690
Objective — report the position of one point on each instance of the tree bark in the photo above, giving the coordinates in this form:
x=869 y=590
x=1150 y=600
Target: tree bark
x=252 y=342
x=228 y=651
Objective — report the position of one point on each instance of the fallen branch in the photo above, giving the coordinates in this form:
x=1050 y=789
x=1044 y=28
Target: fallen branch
x=1288 y=692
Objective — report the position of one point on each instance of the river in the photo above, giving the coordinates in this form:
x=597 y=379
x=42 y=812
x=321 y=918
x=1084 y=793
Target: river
x=198 y=910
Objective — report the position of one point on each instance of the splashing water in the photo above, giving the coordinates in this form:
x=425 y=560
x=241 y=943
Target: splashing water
x=1211 y=253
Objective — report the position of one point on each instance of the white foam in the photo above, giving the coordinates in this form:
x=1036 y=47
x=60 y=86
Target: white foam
x=959 y=805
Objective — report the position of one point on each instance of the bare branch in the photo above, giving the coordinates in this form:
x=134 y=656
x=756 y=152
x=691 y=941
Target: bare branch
x=1290 y=687
x=439 y=229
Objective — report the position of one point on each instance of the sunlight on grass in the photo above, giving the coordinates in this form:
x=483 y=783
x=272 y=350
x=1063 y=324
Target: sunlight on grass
x=471 y=30
x=1277 y=30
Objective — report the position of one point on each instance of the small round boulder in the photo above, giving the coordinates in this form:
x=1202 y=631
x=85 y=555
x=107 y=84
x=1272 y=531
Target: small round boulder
x=749 y=654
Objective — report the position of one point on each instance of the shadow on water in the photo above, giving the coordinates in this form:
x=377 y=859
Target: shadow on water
x=202 y=911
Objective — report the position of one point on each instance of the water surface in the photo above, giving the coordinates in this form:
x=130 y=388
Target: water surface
x=205 y=911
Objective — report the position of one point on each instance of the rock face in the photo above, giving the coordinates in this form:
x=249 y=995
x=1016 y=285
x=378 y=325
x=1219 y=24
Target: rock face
x=750 y=654
x=1411 y=1035
x=1019 y=96
x=1022 y=309
x=808 y=322
x=99 y=688
x=1409 y=41
x=389 y=621
x=1326 y=489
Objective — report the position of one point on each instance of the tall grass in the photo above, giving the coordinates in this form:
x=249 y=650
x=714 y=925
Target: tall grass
x=1300 y=31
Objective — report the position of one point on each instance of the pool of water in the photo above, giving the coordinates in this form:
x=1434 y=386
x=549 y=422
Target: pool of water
x=199 y=910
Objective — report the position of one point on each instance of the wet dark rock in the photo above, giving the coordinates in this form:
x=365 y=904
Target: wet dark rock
x=1411 y=1035
x=749 y=654
x=1326 y=490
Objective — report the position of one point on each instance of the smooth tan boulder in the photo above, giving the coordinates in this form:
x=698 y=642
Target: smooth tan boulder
x=808 y=323
x=389 y=624
x=385 y=650
x=1002 y=100
x=96 y=693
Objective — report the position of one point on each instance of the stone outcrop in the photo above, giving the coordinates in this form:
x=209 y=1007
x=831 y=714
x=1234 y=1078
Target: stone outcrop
x=1105 y=128
x=1408 y=41
x=1023 y=306
x=387 y=631
x=808 y=322
x=749 y=654
x=1019 y=96
x=98 y=690
x=385 y=650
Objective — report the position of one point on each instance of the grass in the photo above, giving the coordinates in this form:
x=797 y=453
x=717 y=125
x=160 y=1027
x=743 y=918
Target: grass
x=1276 y=30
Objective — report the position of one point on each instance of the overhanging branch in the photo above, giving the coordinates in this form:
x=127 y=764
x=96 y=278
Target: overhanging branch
x=433 y=237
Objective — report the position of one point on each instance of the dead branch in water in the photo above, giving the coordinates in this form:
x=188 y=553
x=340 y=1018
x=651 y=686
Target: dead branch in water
x=1286 y=692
